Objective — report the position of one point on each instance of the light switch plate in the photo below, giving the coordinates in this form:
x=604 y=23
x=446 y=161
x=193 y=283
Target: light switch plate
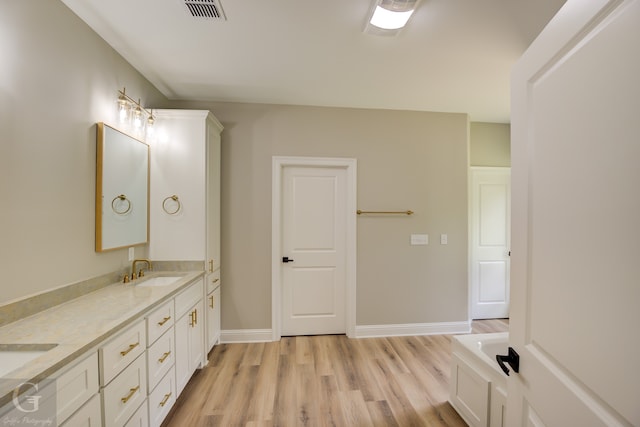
x=419 y=239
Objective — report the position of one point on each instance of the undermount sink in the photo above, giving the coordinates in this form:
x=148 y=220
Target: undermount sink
x=14 y=356
x=160 y=281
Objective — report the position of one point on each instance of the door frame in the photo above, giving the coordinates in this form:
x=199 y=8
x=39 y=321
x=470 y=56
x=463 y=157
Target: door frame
x=278 y=165
x=471 y=221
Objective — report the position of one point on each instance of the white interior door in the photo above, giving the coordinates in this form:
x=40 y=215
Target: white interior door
x=314 y=241
x=575 y=214
x=490 y=226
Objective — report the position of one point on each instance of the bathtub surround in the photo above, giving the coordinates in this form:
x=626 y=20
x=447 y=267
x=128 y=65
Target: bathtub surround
x=477 y=386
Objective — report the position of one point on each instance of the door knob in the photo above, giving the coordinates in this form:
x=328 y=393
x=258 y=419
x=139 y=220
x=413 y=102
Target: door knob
x=286 y=259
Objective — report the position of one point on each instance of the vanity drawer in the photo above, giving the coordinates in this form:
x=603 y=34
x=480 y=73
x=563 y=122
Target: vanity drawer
x=188 y=298
x=90 y=415
x=118 y=353
x=75 y=386
x=213 y=281
x=160 y=358
x=140 y=418
x=159 y=321
x=162 y=399
x=124 y=395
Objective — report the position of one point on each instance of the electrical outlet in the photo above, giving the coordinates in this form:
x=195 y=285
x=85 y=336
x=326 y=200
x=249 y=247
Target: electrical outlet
x=443 y=239
x=132 y=253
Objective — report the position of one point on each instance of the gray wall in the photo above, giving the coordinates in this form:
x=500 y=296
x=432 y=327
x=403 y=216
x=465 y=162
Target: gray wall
x=490 y=144
x=406 y=160
x=57 y=79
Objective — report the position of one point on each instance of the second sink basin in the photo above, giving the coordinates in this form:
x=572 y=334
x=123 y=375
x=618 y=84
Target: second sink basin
x=160 y=281
x=13 y=356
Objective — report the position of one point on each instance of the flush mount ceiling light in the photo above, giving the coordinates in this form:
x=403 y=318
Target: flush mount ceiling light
x=388 y=17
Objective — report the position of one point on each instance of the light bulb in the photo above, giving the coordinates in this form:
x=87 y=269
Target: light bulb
x=123 y=107
x=137 y=117
x=150 y=128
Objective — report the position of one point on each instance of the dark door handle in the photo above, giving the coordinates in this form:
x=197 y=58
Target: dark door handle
x=513 y=359
x=286 y=259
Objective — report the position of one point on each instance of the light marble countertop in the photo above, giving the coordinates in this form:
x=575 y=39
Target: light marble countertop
x=79 y=325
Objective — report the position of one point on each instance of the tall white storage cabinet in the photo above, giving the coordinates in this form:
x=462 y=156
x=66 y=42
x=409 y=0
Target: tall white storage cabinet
x=185 y=197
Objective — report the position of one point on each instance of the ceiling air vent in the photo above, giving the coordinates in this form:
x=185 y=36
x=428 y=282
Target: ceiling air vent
x=211 y=9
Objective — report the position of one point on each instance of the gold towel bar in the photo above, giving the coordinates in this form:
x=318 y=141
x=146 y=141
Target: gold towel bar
x=359 y=212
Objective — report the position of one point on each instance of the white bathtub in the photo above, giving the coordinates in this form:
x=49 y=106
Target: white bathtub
x=478 y=387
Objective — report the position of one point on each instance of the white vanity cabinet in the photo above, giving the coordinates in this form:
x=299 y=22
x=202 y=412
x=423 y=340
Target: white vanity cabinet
x=185 y=193
x=74 y=387
x=72 y=393
x=90 y=415
x=185 y=164
x=189 y=332
x=123 y=374
x=213 y=309
x=161 y=377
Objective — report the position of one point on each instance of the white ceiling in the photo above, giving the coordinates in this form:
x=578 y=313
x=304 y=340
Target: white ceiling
x=454 y=55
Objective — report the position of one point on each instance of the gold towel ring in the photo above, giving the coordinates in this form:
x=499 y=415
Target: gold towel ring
x=178 y=205
x=119 y=208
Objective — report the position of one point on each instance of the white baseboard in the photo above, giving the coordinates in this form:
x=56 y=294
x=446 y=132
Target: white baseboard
x=366 y=331
x=440 y=328
x=246 y=335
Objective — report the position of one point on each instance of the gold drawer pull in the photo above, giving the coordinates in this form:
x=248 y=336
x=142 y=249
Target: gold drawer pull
x=193 y=318
x=215 y=280
x=131 y=347
x=130 y=395
x=210 y=266
x=212 y=303
x=163 y=321
x=166 y=398
x=164 y=357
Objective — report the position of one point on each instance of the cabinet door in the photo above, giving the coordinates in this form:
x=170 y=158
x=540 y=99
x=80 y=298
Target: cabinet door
x=213 y=318
x=183 y=374
x=162 y=399
x=196 y=338
x=90 y=415
x=124 y=395
x=178 y=169
x=160 y=358
x=189 y=344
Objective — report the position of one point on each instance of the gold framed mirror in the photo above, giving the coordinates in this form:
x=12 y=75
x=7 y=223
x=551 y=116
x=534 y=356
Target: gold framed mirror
x=122 y=189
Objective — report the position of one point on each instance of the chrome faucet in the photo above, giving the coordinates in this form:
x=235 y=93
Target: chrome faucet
x=141 y=272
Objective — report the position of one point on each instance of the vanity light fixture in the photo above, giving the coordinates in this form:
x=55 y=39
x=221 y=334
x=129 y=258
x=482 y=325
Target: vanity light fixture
x=388 y=17
x=131 y=111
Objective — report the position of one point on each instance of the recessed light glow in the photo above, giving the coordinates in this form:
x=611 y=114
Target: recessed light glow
x=388 y=19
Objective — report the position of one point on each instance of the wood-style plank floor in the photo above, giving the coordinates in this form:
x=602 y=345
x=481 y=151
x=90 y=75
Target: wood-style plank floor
x=326 y=380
